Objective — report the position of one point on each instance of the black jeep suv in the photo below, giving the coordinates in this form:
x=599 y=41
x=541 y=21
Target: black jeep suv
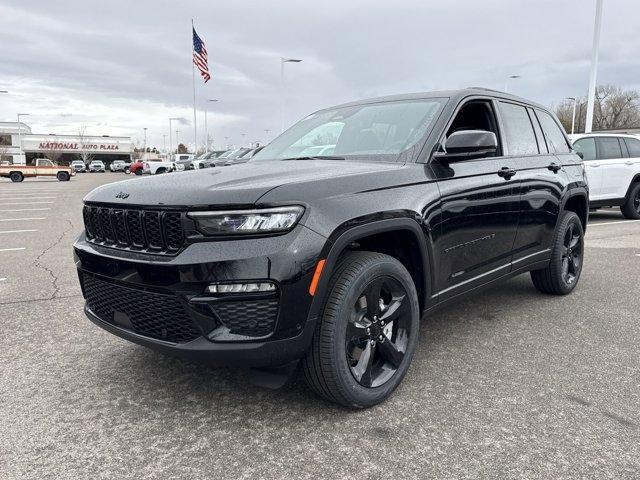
x=332 y=242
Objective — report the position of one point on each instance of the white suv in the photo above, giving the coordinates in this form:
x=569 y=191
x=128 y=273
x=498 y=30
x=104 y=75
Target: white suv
x=613 y=169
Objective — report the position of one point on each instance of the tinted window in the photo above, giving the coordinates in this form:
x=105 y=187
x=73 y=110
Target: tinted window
x=553 y=135
x=633 y=145
x=542 y=145
x=378 y=131
x=518 y=130
x=608 y=147
x=586 y=146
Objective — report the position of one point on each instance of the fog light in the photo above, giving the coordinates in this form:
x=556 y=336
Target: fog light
x=241 y=287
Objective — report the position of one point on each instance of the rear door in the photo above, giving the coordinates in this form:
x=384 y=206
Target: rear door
x=616 y=167
x=474 y=236
x=534 y=146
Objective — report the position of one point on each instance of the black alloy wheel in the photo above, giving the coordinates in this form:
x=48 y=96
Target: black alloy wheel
x=367 y=332
x=378 y=332
x=631 y=208
x=571 y=254
x=562 y=273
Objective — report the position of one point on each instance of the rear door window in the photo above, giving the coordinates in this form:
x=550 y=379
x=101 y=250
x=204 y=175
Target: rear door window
x=633 y=145
x=586 y=146
x=608 y=148
x=556 y=140
x=520 y=137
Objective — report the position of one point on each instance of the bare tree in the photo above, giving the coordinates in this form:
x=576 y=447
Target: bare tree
x=52 y=154
x=4 y=150
x=614 y=109
x=85 y=155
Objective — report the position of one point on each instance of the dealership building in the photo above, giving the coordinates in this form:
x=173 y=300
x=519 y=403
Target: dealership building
x=60 y=148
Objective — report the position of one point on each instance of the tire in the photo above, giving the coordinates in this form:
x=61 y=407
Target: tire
x=631 y=207
x=127 y=171
x=160 y=171
x=16 y=177
x=330 y=367
x=139 y=171
x=62 y=176
x=562 y=274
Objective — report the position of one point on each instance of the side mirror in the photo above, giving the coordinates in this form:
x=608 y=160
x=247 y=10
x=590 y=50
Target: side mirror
x=468 y=144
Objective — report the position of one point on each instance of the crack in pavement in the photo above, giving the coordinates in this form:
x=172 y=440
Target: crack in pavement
x=16 y=302
x=37 y=263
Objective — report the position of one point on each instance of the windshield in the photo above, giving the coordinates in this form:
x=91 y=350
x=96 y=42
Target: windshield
x=376 y=131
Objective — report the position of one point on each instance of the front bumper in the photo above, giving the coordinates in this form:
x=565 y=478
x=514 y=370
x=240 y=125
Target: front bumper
x=140 y=297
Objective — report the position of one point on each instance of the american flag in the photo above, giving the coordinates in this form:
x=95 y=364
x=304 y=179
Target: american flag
x=200 y=56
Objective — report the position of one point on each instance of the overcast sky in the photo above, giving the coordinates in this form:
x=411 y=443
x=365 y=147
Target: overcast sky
x=119 y=66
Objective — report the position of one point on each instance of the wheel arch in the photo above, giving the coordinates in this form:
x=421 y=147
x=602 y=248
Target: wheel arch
x=378 y=236
x=577 y=201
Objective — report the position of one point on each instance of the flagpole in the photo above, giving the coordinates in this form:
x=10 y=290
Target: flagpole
x=193 y=75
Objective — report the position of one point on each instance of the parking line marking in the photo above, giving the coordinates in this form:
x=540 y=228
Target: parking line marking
x=19 y=219
x=620 y=222
x=26 y=197
x=12 y=249
x=30 y=203
x=17 y=231
x=3 y=279
x=26 y=210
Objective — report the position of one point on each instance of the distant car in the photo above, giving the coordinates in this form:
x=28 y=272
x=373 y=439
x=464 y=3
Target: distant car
x=184 y=159
x=79 y=166
x=203 y=161
x=96 y=166
x=137 y=168
x=156 y=167
x=43 y=168
x=243 y=158
x=226 y=157
x=612 y=162
x=119 y=166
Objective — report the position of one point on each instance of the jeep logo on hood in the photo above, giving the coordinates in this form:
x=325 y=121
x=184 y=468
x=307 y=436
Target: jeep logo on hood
x=122 y=195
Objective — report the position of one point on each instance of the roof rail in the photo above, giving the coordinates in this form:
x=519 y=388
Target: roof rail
x=487 y=89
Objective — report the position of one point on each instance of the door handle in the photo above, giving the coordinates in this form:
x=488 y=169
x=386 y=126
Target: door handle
x=554 y=167
x=506 y=172
x=593 y=165
x=628 y=162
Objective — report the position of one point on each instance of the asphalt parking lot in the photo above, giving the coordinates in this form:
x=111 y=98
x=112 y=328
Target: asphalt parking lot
x=508 y=384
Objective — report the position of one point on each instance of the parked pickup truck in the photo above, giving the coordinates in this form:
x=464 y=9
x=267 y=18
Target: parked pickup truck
x=42 y=168
x=154 y=167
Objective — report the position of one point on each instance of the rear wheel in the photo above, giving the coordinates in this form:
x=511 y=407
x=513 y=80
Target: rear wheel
x=63 y=176
x=561 y=276
x=16 y=177
x=366 y=337
x=631 y=208
x=160 y=170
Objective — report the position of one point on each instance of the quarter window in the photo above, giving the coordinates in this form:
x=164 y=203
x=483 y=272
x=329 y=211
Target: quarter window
x=521 y=139
x=608 y=147
x=633 y=145
x=586 y=146
x=556 y=140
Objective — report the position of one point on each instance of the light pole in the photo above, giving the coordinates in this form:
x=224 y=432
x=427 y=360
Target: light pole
x=170 y=137
x=506 y=83
x=227 y=142
x=282 y=62
x=145 y=141
x=594 y=67
x=164 y=143
x=573 y=117
x=20 y=136
x=177 y=141
x=267 y=131
x=243 y=135
x=206 y=129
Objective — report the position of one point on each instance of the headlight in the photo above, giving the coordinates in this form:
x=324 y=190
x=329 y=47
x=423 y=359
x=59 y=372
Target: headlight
x=243 y=222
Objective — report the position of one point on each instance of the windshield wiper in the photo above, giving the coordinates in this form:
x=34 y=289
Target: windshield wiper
x=315 y=157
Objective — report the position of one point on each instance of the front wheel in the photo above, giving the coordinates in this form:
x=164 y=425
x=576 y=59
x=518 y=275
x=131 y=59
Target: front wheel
x=631 y=208
x=561 y=276
x=365 y=340
x=16 y=177
x=127 y=171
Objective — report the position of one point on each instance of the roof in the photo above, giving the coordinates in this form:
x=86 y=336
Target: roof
x=452 y=94
x=575 y=136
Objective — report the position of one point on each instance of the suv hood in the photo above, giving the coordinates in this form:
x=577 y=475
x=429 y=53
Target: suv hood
x=242 y=184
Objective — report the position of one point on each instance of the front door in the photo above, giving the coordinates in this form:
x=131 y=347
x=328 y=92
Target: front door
x=475 y=231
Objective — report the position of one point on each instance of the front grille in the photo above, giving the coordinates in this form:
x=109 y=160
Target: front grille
x=253 y=318
x=147 y=230
x=154 y=315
